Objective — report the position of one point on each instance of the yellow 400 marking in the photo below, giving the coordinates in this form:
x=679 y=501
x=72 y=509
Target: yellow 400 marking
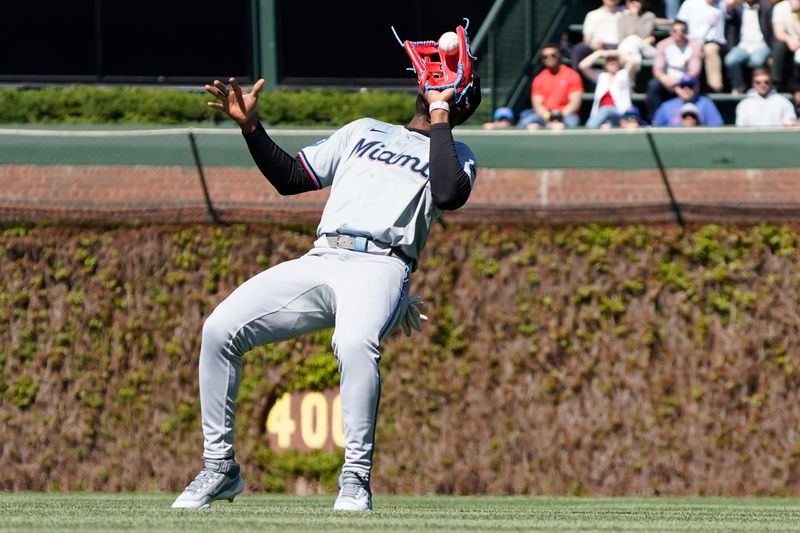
x=319 y=416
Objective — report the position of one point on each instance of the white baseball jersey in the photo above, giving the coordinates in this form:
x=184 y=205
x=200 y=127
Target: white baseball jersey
x=378 y=174
x=379 y=179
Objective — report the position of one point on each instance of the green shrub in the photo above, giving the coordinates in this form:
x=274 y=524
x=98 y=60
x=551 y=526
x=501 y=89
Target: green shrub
x=78 y=104
x=23 y=392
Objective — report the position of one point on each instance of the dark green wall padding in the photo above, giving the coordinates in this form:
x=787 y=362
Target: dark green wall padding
x=724 y=148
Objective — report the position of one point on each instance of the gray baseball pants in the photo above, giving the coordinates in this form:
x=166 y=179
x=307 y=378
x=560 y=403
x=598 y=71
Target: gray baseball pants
x=359 y=294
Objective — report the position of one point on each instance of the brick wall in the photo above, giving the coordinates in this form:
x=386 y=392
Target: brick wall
x=152 y=193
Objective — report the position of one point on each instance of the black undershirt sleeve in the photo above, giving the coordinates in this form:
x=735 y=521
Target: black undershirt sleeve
x=284 y=172
x=450 y=183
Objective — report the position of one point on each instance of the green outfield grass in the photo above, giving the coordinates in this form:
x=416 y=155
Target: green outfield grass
x=138 y=512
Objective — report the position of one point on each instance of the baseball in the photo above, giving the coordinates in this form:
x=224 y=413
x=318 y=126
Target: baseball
x=448 y=42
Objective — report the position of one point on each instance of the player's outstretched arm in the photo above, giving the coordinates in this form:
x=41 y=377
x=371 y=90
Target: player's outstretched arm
x=236 y=103
x=450 y=184
x=287 y=175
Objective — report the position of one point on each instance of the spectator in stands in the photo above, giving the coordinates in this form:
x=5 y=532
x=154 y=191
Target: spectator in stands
x=613 y=87
x=690 y=116
x=600 y=30
x=687 y=91
x=706 y=22
x=555 y=95
x=763 y=106
x=786 y=42
x=794 y=89
x=671 y=8
x=503 y=117
x=636 y=25
x=750 y=35
x=631 y=119
x=676 y=56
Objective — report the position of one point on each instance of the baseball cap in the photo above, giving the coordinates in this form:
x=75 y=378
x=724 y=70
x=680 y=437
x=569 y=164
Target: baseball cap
x=503 y=113
x=632 y=112
x=470 y=99
x=690 y=109
x=688 y=81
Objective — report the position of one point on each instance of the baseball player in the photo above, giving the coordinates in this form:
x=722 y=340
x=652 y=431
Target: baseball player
x=388 y=184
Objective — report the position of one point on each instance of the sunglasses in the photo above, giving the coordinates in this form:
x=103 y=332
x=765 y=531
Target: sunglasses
x=687 y=86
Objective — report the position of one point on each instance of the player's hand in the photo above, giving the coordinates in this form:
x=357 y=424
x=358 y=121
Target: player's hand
x=440 y=116
x=440 y=96
x=412 y=318
x=237 y=104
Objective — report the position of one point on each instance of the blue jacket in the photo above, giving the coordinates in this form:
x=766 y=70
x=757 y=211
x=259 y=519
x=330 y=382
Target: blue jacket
x=669 y=113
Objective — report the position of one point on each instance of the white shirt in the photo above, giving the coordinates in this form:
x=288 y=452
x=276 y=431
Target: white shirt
x=600 y=25
x=677 y=60
x=378 y=174
x=706 y=22
x=752 y=38
x=782 y=12
x=774 y=110
x=618 y=85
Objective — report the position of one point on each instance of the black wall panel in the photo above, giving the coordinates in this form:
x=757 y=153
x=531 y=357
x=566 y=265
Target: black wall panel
x=48 y=38
x=177 y=38
x=191 y=41
x=146 y=41
x=353 y=40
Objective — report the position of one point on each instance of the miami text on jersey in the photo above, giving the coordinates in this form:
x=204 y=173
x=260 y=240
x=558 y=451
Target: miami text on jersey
x=376 y=151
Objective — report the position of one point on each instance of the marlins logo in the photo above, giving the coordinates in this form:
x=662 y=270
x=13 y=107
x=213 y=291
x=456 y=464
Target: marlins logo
x=376 y=151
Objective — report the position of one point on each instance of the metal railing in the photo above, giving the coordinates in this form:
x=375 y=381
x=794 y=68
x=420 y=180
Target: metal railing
x=508 y=43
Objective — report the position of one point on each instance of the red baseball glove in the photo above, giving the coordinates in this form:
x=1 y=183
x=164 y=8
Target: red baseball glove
x=437 y=70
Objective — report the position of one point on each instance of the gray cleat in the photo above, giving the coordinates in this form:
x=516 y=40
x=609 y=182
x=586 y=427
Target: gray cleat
x=354 y=493
x=210 y=485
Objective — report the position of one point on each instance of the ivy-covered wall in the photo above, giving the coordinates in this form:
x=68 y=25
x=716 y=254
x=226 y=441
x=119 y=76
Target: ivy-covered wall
x=583 y=360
